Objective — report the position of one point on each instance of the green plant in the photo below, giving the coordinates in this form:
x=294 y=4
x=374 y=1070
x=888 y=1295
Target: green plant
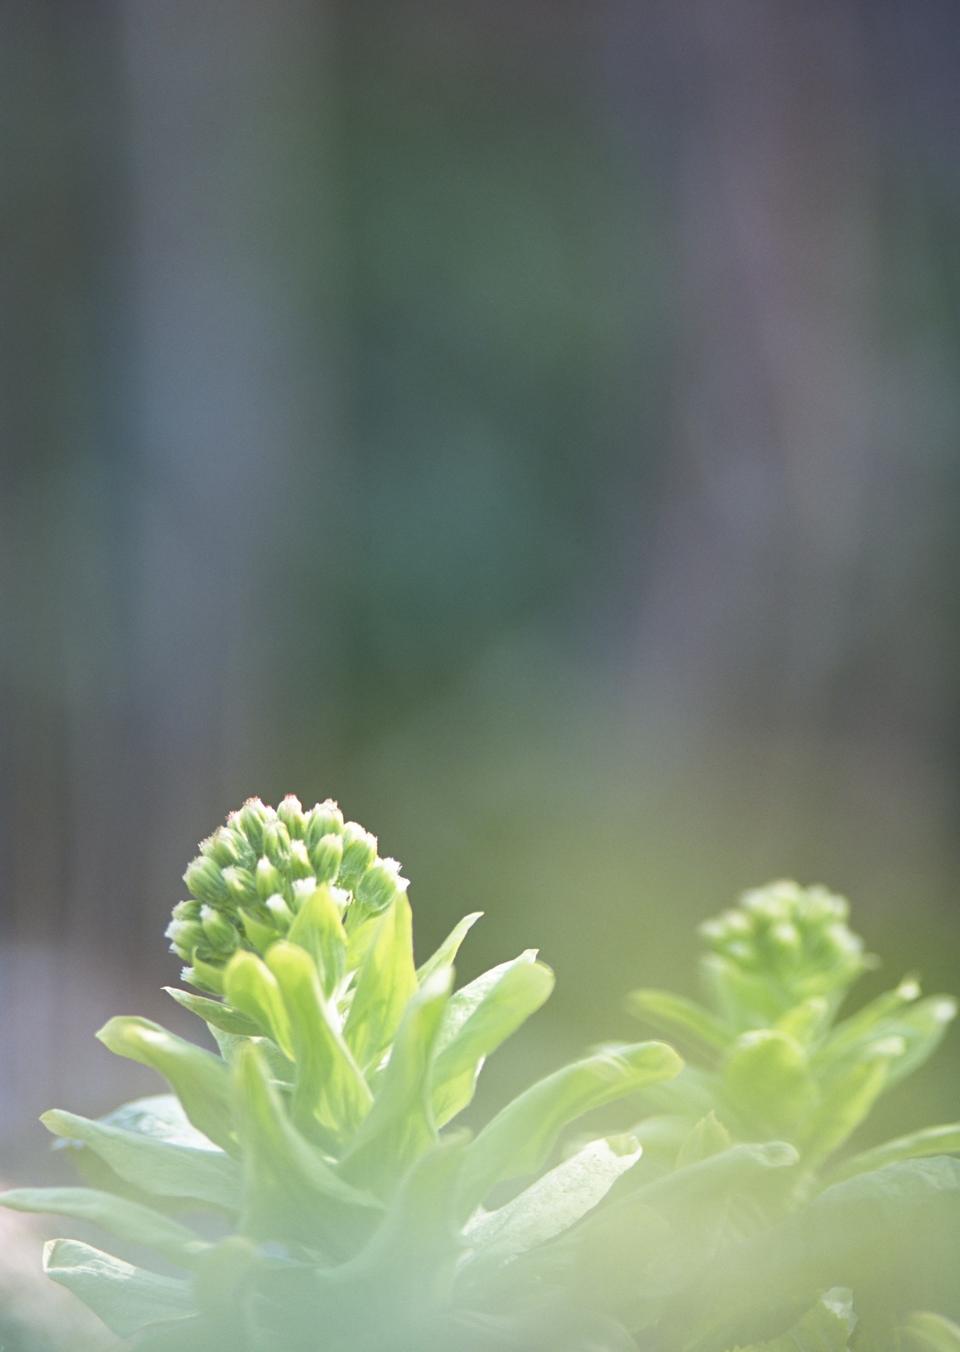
x=771 y=1056
x=301 y=1188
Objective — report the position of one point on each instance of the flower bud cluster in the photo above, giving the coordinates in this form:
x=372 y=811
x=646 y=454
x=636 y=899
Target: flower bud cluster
x=799 y=935
x=252 y=876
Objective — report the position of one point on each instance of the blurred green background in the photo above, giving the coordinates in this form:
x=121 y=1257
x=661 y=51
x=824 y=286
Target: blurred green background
x=534 y=423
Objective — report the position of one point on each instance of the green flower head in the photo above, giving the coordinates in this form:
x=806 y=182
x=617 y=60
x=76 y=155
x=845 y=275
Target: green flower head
x=788 y=943
x=253 y=875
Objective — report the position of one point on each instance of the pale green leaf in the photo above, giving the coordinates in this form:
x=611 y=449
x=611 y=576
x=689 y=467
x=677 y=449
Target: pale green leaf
x=478 y=1018
x=680 y=1018
x=925 y=1332
x=318 y=927
x=520 y=1137
x=153 y=1162
x=385 y=982
x=446 y=954
x=328 y=1087
x=251 y=987
x=401 y=1125
x=214 y=1013
x=827 y=1327
x=199 y=1079
x=554 y=1202
x=125 y=1297
x=942 y=1140
x=123 y=1218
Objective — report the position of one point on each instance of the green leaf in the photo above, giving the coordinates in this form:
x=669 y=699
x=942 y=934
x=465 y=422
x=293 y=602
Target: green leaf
x=125 y=1297
x=385 y=982
x=708 y=1137
x=152 y=1162
x=400 y=1125
x=924 y=1332
x=288 y=1179
x=448 y=950
x=199 y=1079
x=478 y=1018
x=825 y=1328
x=252 y=988
x=329 y=1088
x=767 y=1082
x=214 y=1013
x=922 y=1028
x=715 y=1176
x=318 y=928
x=943 y=1140
x=851 y=1032
x=127 y=1220
x=520 y=1137
x=845 y=1103
x=680 y=1018
x=554 y=1202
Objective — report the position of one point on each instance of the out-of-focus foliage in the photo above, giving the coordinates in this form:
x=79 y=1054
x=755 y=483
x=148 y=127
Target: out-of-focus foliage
x=772 y=1055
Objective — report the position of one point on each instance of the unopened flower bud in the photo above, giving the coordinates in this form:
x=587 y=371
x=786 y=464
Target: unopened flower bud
x=205 y=880
x=254 y=875
x=276 y=842
x=380 y=885
x=241 y=884
x=299 y=864
x=290 y=813
x=280 y=912
x=185 y=936
x=218 y=931
x=251 y=819
x=359 y=852
x=268 y=878
x=223 y=847
x=326 y=856
x=323 y=819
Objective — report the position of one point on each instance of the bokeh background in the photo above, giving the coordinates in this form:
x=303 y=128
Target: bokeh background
x=535 y=423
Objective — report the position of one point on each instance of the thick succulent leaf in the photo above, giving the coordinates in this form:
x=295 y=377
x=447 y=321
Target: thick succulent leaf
x=479 y=1017
x=825 y=1328
x=289 y=1183
x=922 y=1028
x=703 y=1181
x=925 y=1332
x=846 y=1101
x=706 y=1138
x=123 y=1218
x=318 y=927
x=125 y=1297
x=654 y=1243
x=200 y=1080
x=767 y=1082
x=154 y=1163
x=446 y=954
x=214 y=1013
x=520 y=1137
x=680 y=1018
x=385 y=982
x=329 y=1087
x=401 y=1125
x=892 y=1235
x=252 y=988
x=870 y=1020
x=554 y=1202
x=942 y=1140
